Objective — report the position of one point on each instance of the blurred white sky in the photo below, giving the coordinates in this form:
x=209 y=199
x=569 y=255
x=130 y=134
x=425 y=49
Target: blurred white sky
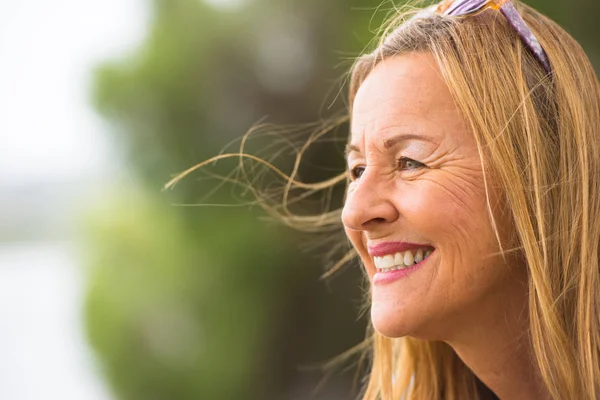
x=48 y=131
x=51 y=142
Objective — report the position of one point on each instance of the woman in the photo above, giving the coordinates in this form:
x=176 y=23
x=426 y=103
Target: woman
x=473 y=203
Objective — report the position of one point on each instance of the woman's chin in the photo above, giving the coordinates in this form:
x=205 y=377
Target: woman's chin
x=389 y=324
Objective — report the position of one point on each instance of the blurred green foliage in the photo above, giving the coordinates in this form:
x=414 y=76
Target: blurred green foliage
x=171 y=317
x=207 y=302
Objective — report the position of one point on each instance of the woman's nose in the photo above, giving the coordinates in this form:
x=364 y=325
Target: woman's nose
x=368 y=204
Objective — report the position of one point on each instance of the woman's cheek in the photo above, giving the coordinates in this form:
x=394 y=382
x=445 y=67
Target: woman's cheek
x=443 y=210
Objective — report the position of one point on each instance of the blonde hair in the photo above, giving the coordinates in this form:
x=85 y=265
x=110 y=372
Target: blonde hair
x=539 y=137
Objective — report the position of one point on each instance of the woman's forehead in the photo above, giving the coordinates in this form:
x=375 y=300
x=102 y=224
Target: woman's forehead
x=405 y=94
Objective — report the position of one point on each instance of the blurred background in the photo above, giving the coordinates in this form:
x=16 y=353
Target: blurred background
x=110 y=287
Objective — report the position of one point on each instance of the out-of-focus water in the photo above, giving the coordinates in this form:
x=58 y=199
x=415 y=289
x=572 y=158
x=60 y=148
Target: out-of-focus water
x=54 y=151
x=43 y=353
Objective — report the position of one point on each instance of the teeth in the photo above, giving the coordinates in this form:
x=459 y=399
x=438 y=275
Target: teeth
x=419 y=256
x=387 y=262
x=408 y=258
x=399 y=260
x=377 y=261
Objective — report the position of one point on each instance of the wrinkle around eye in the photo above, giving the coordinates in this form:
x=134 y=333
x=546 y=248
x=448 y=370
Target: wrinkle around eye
x=459 y=188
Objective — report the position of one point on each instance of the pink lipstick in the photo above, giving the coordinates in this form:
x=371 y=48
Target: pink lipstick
x=396 y=260
x=383 y=249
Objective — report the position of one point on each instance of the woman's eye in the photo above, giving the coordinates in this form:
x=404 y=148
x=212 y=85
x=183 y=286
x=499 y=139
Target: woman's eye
x=356 y=172
x=405 y=163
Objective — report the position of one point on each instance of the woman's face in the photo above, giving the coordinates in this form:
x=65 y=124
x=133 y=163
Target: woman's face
x=416 y=209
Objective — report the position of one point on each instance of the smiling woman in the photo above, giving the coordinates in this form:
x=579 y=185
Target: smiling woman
x=417 y=213
x=472 y=202
x=422 y=195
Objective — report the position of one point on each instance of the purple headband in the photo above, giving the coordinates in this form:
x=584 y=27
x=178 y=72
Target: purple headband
x=467 y=7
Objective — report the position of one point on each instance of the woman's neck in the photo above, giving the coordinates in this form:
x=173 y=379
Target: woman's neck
x=497 y=348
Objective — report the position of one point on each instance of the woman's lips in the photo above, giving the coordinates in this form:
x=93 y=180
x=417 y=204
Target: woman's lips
x=382 y=278
x=383 y=249
x=394 y=260
x=393 y=267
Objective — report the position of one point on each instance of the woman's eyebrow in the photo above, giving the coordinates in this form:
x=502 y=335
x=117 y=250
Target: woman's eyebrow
x=351 y=148
x=390 y=142
x=394 y=140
